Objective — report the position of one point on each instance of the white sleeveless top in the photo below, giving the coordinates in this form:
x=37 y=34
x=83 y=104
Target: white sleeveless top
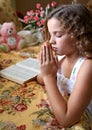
x=66 y=85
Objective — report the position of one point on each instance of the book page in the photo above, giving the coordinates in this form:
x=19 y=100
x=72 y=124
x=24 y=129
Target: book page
x=22 y=71
x=30 y=63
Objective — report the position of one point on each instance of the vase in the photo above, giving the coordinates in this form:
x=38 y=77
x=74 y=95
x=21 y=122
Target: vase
x=32 y=37
x=36 y=36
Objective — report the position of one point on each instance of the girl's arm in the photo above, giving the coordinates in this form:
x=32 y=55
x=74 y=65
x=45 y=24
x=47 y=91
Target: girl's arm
x=67 y=113
x=40 y=79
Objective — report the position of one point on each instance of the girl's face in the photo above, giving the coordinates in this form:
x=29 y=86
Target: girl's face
x=61 y=41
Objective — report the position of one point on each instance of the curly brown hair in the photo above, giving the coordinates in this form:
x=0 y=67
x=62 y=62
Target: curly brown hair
x=77 y=20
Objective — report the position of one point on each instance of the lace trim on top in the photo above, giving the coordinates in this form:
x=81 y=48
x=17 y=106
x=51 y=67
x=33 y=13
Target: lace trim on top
x=62 y=83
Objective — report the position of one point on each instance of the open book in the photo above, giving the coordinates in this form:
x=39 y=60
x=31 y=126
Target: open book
x=22 y=71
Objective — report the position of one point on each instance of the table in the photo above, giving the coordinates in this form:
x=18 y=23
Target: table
x=26 y=107
x=22 y=107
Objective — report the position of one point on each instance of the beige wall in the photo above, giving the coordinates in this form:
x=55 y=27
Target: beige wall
x=24 y=5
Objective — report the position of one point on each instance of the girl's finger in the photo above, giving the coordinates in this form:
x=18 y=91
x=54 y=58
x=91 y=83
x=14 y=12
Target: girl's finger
x=40 y=57
x=43 y=54
x=51 y=53
x=47 y=53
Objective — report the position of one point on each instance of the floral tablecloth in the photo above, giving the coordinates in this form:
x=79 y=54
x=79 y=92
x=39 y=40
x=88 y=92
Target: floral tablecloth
x=27 y=107
x=22 y=107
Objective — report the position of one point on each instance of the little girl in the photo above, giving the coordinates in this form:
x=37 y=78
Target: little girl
x=69 y=31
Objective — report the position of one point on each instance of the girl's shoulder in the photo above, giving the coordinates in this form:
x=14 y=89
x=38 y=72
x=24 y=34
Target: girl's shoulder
x=87 y=63
x=86 y=68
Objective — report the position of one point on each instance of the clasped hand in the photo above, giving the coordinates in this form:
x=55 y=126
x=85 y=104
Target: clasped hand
x=48 y=61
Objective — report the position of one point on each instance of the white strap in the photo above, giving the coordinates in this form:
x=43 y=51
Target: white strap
x=76 y=68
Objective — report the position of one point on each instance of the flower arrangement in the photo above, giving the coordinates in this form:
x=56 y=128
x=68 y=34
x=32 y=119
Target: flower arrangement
x=35 y=19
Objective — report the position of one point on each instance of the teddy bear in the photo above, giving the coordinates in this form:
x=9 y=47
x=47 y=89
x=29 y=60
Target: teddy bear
x=9 y=39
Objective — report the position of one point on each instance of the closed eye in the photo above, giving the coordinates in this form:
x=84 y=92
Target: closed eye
x=59 y=35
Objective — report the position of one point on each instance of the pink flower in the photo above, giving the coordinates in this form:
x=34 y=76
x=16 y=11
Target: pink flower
x=53 y=4
x=38 y=24
x=48 y=6
x=42 y=13
x=20 y=107
x=37 y=11
x=31 y=17
x=26 y=19
x=39 y=105
x=42 y=21
x=31 y=12
x=36 y=18
x=28 y=13
x=43 y=103
x=38 y=5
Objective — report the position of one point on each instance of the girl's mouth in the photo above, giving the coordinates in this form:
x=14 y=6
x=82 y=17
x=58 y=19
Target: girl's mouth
x=54 y=49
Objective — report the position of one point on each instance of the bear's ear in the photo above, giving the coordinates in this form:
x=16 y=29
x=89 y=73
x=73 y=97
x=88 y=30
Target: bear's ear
x=11 y=24
x=4 y=25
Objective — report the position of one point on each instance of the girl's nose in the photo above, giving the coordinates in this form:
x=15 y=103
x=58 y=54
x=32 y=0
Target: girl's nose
x=52 y=41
